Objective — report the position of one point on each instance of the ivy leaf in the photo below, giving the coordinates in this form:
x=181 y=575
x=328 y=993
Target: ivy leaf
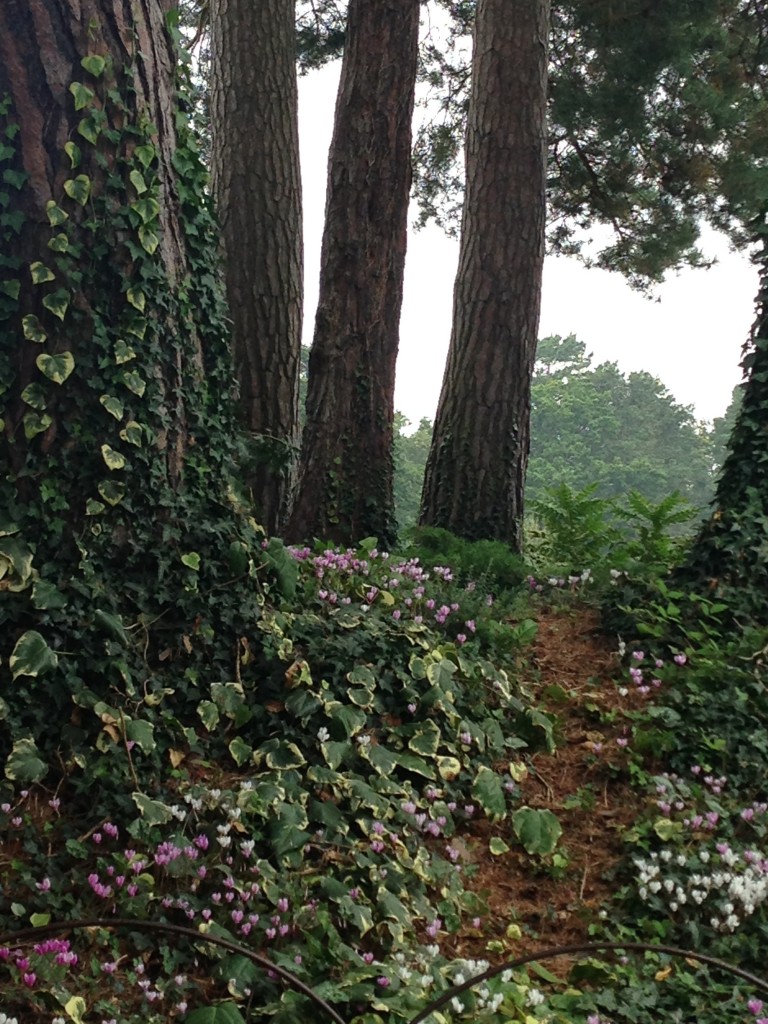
x=94 y=64
x=16 y=563
x=24 y=763
x=538 y=830
x=112 y=492
x=89 y=129
x=35 y=424
x=136 y=178
x=34 y=395
x=488 y=791
x=222 y=1013
x=57 y=302
x=32 y=328
x=93 y=507
x=123 y=352
x=135 y=383
x=114 y=406
x=145 y=155
x=47 y=597
x=56 y=215
x=209 y=714
x=81 y=94
x=32 y=656
x=132 y=433
x=287 y=755
x=148 y=238
x=153 y=811
x=73 y=152
x=148 y=209
x=136 y=298
x=56 y=368
x=10 y=288
x=114 y=460
x=426 y=740
x=16 y=179
x=59 y=243
x=240 y=750
x=335 y=753
x=40 y=273
x=191 y=560
x=142 y=733
x=78 y=188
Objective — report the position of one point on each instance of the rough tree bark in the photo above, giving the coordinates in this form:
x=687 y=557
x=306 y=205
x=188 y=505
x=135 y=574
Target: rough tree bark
x=257 y=186
x=41 y=48
x=345 y=488
x=477 y=462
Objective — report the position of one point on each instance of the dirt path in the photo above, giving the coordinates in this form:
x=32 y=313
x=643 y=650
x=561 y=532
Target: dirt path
x=571 y=676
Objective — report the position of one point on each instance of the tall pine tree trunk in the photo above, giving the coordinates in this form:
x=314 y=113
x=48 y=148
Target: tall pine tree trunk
x=257 y=187
x=345 y=485
x=478 y=458
x=114 y=366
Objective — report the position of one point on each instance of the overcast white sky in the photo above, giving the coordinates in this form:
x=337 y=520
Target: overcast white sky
x=691 y=338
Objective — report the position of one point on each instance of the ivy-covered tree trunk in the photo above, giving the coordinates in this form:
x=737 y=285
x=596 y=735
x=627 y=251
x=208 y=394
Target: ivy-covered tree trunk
x=114 y=368
x=477 y=462
x=257 y=187
x=729 y=559
x=345 y=486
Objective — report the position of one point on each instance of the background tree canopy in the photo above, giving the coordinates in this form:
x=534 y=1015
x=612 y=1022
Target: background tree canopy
x=595 y=424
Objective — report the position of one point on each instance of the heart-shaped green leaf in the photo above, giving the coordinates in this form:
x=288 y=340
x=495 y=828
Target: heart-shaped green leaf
x=56 y=368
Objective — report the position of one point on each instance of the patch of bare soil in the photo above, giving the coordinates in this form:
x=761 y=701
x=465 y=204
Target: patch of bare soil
x=584 y=782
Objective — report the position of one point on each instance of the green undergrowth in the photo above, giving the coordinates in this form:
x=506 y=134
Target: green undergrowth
x=314 y=804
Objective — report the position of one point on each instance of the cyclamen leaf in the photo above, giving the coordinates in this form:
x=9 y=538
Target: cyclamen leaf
x=538 y=830
x=222 y=1013
x=488 y=792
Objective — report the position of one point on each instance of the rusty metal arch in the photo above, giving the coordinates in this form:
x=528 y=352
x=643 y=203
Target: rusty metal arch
x=28 y=935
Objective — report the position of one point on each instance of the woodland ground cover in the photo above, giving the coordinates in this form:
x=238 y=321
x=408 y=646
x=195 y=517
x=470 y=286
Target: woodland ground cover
x=351 y=814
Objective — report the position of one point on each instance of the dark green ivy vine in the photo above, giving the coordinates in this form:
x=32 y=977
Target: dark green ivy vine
x=116 y=574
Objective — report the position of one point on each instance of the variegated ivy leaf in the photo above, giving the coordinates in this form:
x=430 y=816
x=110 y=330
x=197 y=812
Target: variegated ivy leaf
x=113 y=459
x=114 y=406
x=78 y=188
x=56 y=367
x=40 y=273
x=32 y=328
x=35 y=423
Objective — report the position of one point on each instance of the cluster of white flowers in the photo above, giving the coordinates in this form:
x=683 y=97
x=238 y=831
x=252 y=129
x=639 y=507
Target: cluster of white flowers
x=734 y=891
